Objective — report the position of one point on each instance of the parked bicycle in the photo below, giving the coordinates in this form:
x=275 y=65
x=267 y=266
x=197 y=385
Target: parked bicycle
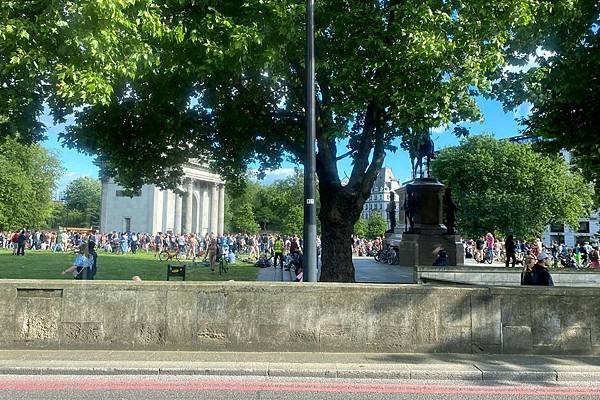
x=389 y=255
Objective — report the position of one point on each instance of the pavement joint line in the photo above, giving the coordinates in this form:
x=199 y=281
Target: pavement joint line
x=458 y=369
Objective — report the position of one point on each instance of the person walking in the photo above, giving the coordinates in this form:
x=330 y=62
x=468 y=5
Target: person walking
x=212 y=252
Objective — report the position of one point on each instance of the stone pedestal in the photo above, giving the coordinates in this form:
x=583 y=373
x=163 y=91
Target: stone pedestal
x=422 y=249
x=420 y=246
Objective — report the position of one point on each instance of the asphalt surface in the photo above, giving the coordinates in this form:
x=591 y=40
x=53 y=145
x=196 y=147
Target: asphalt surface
x=201 y=387
x=367 y=271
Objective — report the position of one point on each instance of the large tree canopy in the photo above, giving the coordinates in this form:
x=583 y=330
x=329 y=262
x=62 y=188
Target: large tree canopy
x=509 y=188
x=28 y=176
x=158 y=81
x=563 y=85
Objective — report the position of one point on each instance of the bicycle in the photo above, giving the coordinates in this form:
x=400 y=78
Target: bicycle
x=167 y=255
x=223 y=265
x=489 y=256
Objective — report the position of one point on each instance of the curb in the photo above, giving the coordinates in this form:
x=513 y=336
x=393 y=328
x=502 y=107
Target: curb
x=330 y=371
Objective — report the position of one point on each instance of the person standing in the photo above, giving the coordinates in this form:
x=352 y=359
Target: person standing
x=509 y=250
x=479 y=243
x=21 y=243
x=93 y=259
x=134 y=242
x=489 y=246
x=278 y=250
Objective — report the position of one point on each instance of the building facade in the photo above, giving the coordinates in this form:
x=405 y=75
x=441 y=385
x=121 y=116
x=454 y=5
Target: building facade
x=588 y=231
x=385 y=183
x=199 y=208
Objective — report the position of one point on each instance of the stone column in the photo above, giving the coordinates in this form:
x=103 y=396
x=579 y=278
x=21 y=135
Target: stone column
x=165 y=211
x=214 y=208
x=201 y=212
x=177 y=222
x=188 y=206
x=221 y=210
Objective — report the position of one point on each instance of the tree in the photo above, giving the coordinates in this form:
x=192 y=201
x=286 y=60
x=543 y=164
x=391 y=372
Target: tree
x=360 y=228
x=376 y=225
x=509 y=188
x=243 y=219
x=563 y=85
x=28 y=178
x=83 y=195
x=225 y=84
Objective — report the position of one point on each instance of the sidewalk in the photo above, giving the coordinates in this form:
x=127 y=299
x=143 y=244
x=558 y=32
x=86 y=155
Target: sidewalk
x=483 y=367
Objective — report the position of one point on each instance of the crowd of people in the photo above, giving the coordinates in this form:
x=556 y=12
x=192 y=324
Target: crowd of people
x=276 y=250
x=267 y=249
x=366 y=247
x=511 y=252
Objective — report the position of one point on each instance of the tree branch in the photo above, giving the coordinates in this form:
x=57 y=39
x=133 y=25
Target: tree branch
x=346 y=154
x=361 y=161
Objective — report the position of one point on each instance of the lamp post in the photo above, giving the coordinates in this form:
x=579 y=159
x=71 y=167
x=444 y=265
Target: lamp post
x=310 y=213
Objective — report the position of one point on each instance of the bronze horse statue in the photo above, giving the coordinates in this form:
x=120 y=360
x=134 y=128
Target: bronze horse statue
x=425 y=150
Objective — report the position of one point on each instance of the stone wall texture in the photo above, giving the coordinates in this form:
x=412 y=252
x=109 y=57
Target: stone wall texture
x=495 y=276
x=259 y=316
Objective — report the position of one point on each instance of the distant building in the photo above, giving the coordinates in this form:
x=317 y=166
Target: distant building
x=199 y=207
x=380 y=194
x=588 y=231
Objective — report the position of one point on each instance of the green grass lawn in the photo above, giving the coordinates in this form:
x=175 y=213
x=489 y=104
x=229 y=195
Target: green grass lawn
x=47 y=265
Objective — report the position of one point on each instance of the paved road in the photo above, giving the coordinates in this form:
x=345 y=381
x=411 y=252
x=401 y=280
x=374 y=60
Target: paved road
x=202 y=387
x=367 y=270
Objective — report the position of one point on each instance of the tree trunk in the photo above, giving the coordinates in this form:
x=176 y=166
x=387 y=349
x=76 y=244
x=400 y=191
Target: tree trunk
x=339 y=212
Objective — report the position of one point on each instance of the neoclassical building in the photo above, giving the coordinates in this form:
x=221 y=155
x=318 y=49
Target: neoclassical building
x=199 y=209
x=384 y=184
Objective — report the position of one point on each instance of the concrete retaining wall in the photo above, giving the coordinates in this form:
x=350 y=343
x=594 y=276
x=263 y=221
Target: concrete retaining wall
x=499 y=276
x=260 y=316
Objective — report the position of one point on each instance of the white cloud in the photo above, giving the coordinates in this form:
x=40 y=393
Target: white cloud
x=531 y=61
x=523 y=110
x=273 y=175
x=67 y=178
x=440 y=129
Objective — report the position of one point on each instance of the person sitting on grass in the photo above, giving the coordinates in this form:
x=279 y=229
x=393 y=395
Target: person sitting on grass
x=81 y=265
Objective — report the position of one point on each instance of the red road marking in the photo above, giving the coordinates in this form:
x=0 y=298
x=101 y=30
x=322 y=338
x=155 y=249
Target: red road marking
x=100 y=384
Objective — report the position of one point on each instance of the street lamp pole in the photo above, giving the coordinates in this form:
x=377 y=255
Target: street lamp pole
x=310 y=213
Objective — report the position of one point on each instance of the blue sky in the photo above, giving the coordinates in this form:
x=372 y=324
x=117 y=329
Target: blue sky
x=496 y=122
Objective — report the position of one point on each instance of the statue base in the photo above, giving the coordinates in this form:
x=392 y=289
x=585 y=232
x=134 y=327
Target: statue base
x=420 y=246
x=421 y=249
x=393 y=238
